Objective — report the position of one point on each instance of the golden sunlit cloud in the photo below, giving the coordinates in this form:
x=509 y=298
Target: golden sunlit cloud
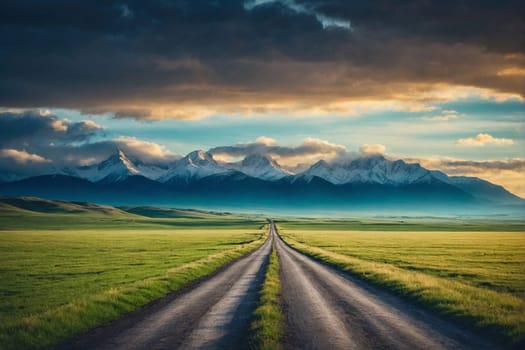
x=509 y=173
x=372 y=149
x=309 y=151
x=22 y=157
x=445 y=116
x=513 y=71
x=144 y=149
x=398 y=97
x=484 y=139
x=268 y=141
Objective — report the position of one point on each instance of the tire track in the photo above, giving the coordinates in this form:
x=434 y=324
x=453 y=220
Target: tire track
x=326 y=309
x=215 y=314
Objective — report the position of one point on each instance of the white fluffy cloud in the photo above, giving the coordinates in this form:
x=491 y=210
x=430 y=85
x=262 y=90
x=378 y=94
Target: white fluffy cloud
x=310 y=148
x=144 y=150
x=377 y=148
x=483 y=139
x=90 y=125
x=268 y=141
x=445 y=116
x=59 y=125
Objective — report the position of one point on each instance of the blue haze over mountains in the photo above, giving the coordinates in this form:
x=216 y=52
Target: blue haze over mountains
x=369 y=184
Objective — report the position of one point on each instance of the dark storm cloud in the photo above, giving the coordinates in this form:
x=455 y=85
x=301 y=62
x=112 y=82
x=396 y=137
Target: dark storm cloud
x=34 y=143
x=130 y=57
x=18 y=129
x=492 y=24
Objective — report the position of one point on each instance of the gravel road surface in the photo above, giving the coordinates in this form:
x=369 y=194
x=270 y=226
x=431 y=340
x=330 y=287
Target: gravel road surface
x=327 y=309
x=324 y=309
x=214 y=314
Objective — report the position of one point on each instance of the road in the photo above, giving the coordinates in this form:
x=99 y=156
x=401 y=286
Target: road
x=327 y=309
x=214 y=314
x=324 y=309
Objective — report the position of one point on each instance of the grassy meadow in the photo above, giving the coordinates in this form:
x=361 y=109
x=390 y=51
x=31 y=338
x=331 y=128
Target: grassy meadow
x=473 y=278
x=73 y=267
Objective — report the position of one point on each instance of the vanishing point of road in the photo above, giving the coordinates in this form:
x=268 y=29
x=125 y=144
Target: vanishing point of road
x=324 y=309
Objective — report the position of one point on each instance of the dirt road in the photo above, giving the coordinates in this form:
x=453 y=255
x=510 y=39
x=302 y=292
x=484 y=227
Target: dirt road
x=215 y=314
x=326 y=309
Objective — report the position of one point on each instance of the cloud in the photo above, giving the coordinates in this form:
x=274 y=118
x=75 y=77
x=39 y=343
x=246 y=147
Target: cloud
x=515 y=164
x=285 y=56
x=59 y=125
x=148 y=152
x=326 y=21
x=18 y=129
x=510 y=173
x=15 y=164
x=455 y=165
x=367 y=149
x=22 y=157
x=268 y=141
x=445 y=116
x=483 y=139
x=310 y=150
x=512 y=71
x=34 y=143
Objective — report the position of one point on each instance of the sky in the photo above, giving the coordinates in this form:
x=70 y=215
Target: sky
x=437 y=82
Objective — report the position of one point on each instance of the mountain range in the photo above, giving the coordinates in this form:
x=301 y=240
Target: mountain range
x=258 y=181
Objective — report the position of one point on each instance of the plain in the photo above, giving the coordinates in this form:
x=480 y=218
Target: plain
x=473 y=278
x=77 y=265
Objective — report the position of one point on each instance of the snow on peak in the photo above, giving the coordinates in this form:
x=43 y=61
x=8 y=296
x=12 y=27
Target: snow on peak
x=374 y=169
x=260 y=166
x=124 y=161
x=196 y=165
x=199 y=164
x=199 y=156
x=116 y=168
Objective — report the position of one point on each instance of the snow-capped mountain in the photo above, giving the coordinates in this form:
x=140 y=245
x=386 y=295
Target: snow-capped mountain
x=370 y=170
x=8 y=177
x=196 y=165
x=261 y=167
x=366 y=183
x=116 y=168
x=478 y=188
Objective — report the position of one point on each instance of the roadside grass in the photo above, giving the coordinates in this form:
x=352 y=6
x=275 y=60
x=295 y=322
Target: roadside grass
x=268 y=324
x=56 y=284
x=474 y=278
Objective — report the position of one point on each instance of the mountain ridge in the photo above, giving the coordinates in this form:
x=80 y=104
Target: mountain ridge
x=198 y=178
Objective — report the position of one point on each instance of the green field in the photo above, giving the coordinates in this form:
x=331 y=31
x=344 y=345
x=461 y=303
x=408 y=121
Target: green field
x=69 y=267
x=474 y=278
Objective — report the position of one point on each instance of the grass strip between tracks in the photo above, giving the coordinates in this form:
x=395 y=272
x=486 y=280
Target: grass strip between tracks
x=499 y=315
x=41 y=331
x=268 y=324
